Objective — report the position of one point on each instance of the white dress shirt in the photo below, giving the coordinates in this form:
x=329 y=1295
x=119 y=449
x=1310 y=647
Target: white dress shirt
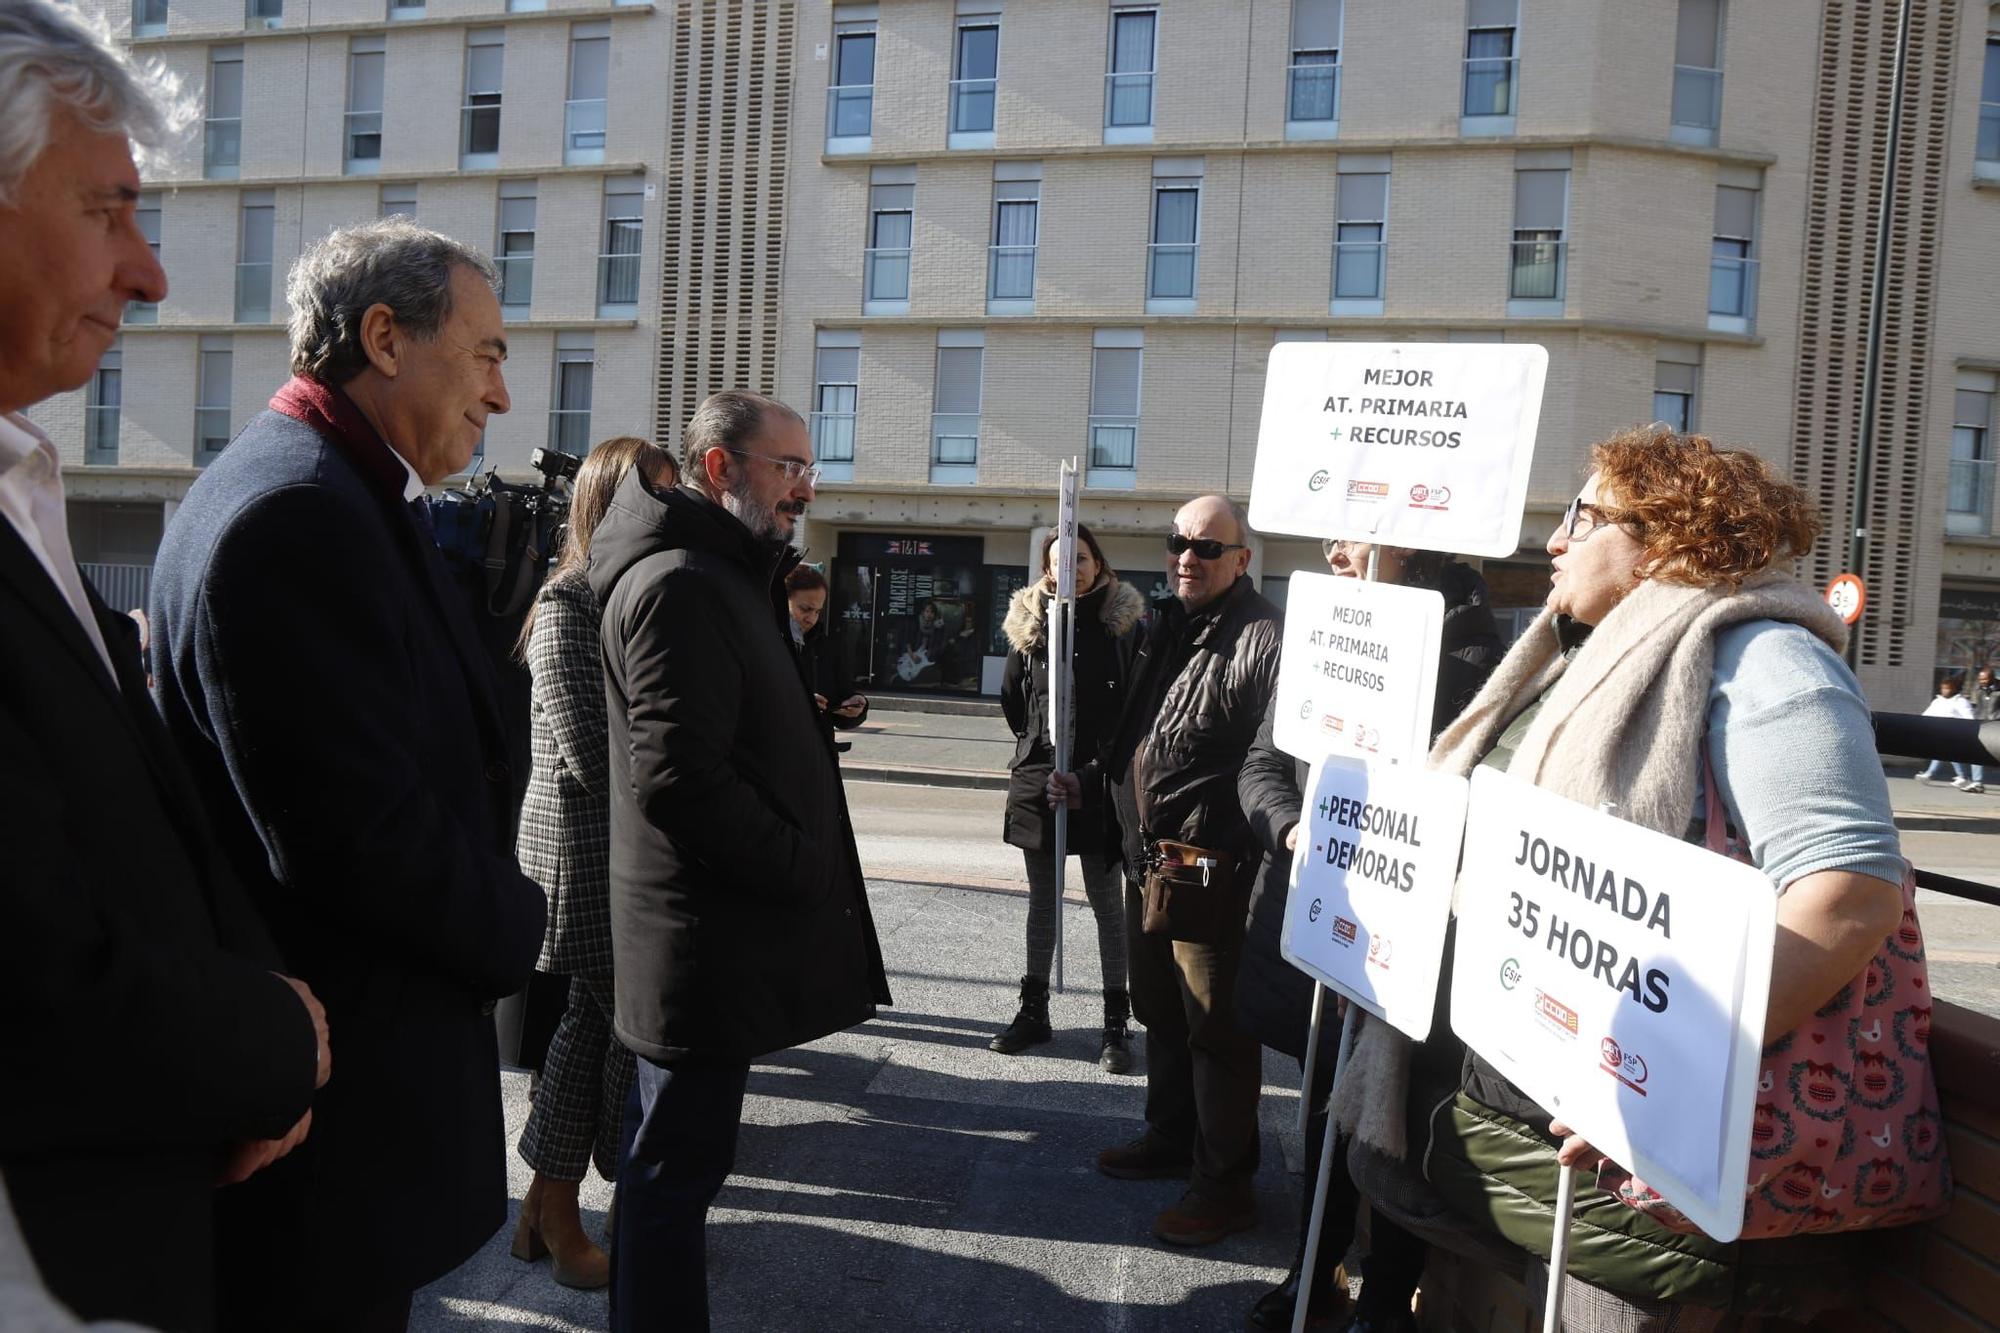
x=31 y=496
x=413 y=485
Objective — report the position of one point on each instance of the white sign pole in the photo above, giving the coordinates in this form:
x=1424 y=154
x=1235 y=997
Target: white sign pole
x=1062 y=631
x=1325 y=1179
x=1552 y=1294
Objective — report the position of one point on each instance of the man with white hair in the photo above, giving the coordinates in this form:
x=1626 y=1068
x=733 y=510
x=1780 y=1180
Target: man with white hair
x=325 y=679
x=153 y=1050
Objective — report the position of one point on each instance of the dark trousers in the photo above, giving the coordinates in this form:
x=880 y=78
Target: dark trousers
x=1203 y=1072
x=1395 y=1261
x=680 y=1142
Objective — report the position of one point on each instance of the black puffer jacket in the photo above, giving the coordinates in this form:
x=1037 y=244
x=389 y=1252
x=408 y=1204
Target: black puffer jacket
x=1273 y=998
x=739 y=922
x=1107 y=640
x=1198 y=694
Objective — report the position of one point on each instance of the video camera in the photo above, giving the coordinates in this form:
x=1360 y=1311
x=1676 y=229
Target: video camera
x=500 y=538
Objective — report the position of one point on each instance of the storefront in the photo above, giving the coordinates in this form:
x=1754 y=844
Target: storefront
x=1968 y=632
x=921 y=612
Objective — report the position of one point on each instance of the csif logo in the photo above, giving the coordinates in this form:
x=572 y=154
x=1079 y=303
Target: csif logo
x=1318 y=480
x=1510 y=974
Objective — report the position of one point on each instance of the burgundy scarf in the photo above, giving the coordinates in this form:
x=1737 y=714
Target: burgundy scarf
x=340 y=423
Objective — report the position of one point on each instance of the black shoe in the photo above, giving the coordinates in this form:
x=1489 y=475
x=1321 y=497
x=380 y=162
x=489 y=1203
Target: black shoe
x=1115 y=1055
x=1380 y=1321
x=1274 y=1308
x=1031 y=1025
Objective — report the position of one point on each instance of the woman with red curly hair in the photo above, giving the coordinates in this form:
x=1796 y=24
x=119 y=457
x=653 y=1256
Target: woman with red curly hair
x=1681 y=672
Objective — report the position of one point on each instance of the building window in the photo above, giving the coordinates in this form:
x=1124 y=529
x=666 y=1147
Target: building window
x=1969 y=494
x=1360 y=239
x=836 y=388
x=147 y=214
x=399 y=201
x=264 y=13
x=961 y=356
x=1115 y=358
x=403 y=10
x=1536 y=274
x=589 y=85
x=1732 y=267
x=259 y=211
x=1676 y=381
x=515 y=255
x=850 y=99
x=569 y=418
x=891 y=216
x=1492 y=66
x=618 y=264
x=1697 y=109
x=149 y=18
x=1312 y=86
x=1175 y=246
x=1010 y=267
x=1128 y=85
x=211 y=399
x=222 y=138
x=1988 y=163
x=362 y=155
x=975 y=76
x=479 y=129
x=100 y=408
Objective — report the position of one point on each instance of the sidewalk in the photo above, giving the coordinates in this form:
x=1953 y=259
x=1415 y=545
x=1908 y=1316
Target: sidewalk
x=938 y=749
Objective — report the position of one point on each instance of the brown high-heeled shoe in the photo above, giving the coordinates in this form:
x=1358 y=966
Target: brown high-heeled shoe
x=550 y=1224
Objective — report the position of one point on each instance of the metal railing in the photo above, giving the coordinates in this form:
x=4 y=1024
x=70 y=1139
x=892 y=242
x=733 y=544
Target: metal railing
x=569 y=430
x=1011 y=273
x=100 y=433
x=1313 y=92
x=1989 y=132
x=1170 y=271
x=888 y=273
x=618 y=279
x=1954 y=740
x=1490 y=85
x=517 y=279
x=955 y=438
x=253 y=293
x=833 y=437
x=1537 y=271
x=1732 y=287
x=123 y=587
x=972 y=105
x=364 y=136
x=1128 y=100
x=1697 y=96
x=850 y=110
x=222 y=143
x=1358 y=269
x=1970 y=490
x=1114 y=442
x=583 y=125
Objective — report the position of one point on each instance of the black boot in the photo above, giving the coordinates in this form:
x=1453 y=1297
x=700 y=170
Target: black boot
x=1116 y=1055
x=1030 y=1026
x=1274 y=1308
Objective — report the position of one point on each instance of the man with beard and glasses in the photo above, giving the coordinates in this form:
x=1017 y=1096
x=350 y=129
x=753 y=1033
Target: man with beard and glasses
x=739 y=921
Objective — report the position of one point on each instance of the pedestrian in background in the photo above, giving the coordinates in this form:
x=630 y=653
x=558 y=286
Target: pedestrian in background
x=1950 y=703
x=739 y=919
x=325 y=678
x=822 y=660
x=1985 y=697
x=563 y=845
x=1106 y=640
x=1274 y=999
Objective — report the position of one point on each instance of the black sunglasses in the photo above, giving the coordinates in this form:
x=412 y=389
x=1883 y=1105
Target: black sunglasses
x=1206 y=547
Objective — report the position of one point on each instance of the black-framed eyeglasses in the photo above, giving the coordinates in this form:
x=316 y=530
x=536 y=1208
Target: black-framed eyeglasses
x=1580 y=520
x=793 y=469
x=1205 y=547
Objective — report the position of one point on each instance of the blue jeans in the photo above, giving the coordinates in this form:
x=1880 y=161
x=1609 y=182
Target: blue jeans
x=1958 y=770
x=678 y=1144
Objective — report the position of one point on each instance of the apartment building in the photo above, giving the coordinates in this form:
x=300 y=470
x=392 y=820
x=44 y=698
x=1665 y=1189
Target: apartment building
x=1023 y=232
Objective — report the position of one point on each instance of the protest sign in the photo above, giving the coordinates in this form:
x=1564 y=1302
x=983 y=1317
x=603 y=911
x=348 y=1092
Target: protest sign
x=1358 y=672
x=1371 y=885
x=1618 y=977
x=1408 y=444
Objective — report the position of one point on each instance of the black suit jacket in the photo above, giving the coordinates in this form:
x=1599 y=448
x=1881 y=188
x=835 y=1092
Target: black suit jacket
x=145 y=1030
x=330 y=692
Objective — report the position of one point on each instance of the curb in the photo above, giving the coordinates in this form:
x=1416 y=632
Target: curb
x=967 y=706
x=917 y=775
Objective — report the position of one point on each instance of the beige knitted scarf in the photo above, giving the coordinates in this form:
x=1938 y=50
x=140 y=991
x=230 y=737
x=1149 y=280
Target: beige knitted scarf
x=1623 y=722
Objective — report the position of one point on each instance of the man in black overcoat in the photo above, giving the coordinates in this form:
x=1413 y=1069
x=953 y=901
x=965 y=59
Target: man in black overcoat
x=153 y=1052
x=329 y=687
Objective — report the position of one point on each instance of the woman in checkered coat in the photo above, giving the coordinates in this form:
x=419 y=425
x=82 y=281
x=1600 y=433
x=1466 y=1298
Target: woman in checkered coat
x=563 y=845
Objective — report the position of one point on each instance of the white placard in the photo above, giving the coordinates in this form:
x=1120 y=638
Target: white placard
x=1409 y=444
x=1358 y=674
x=1371 y=885
x=1619 y=977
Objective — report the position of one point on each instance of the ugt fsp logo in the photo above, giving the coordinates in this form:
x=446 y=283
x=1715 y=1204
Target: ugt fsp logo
x=1430 y=497
x=1625 y=1066
x=1318 y=480
x=1510 y=974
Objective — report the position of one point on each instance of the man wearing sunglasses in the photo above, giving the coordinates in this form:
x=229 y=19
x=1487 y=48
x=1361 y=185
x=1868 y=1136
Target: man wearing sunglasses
x=1205 y=674
x=739 y=921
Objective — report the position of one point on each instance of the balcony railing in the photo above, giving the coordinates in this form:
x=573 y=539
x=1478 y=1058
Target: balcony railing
x=1989 y=132
x=1537 y=272
x=1358 y=270
x=1697 y=97
x=1314 y=93
x=833 y=437
x=1970 y=493
x=850 y=110
x=364 y=136
x=618 y=279
x=223 y=143
x=888 y=273
x=100 y=433
x=972 y=105
x=1170 y=271
x=517 y=279
x=955 y=439
x=1732 y=288
x=253 y=293
x=1114 y=442
x=583 y=125
x=123 y=587
x=1128 y=100
x=1012 y=276
x=1490 y=85
x=569 y=430
x=479 y=131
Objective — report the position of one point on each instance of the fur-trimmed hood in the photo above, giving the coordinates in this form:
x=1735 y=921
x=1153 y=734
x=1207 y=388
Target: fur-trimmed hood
x=1026 y=627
